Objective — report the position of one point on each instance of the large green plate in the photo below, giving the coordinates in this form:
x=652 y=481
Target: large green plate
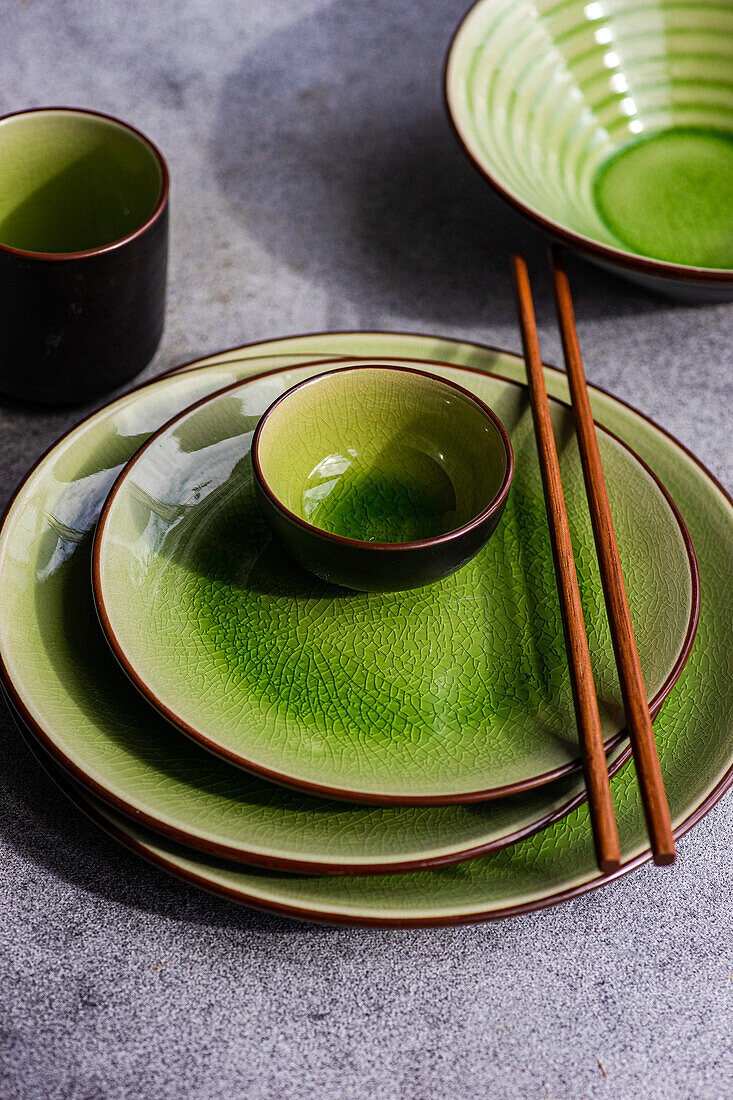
x=70 y=691
x=458 y=691
x=694 y=731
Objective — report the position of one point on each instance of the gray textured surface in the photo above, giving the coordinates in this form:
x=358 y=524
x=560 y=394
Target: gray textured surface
x=316 y=185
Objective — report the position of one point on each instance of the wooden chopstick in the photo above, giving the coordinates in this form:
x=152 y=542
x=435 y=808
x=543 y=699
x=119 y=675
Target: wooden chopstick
x=638 y=720
x=603 y=821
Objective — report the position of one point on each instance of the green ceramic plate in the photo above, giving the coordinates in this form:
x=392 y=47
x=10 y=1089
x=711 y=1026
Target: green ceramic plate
x=609 y=124
x=80 y=706
x=454 y=692
x=694 y=731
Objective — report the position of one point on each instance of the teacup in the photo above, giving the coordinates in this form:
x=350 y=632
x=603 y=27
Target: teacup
x=381 y=477
x=83 y=253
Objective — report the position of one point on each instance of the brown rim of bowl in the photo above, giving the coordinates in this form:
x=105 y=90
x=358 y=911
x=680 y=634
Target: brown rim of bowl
x=360 y=544
x=616 y=257
x=373 y=799
x=153 y=217
x=242 y=897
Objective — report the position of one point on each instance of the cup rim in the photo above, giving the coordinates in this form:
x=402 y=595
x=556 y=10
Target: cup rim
x=493 y=506
x=112 y=245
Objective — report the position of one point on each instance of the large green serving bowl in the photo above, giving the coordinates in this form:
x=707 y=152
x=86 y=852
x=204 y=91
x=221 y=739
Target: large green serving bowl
x=610 y=125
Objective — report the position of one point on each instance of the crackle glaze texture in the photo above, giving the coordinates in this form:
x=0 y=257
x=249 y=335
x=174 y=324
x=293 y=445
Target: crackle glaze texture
x=452 y=689
x=543 y=95
x=99 y=727
x=694 y=731
x=382 y=455
x=381 y=479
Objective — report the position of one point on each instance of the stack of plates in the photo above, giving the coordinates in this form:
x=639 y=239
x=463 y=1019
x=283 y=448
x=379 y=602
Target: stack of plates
x=400 y=759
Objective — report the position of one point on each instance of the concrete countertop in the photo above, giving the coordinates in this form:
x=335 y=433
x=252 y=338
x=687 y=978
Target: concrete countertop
x=316 y=185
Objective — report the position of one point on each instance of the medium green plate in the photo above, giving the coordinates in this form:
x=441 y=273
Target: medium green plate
x=694 y=732
x=458 y=691
x=69 y=690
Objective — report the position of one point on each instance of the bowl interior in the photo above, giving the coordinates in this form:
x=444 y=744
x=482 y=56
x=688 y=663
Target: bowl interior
x=73 y=181
x=608 y=119
x=382 y=455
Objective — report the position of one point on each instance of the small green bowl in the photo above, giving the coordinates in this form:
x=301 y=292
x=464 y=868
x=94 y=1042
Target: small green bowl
x=381 y=478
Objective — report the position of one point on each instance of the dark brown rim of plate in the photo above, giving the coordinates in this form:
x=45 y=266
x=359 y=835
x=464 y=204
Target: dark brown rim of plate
x=77 y=797
x=371 y=798
x=616 y=257
x=420 y=544
x=708 y=802
x=238 y=854
x=42 y=749
x=160 y=205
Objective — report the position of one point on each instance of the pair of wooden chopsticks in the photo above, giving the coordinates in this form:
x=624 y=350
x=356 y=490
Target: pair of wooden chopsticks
x=638 y=721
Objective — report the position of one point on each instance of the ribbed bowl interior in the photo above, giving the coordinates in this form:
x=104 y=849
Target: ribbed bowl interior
x=543 y=92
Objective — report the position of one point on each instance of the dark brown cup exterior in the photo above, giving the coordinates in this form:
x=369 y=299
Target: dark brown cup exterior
x=74 y=327
x=376 y=569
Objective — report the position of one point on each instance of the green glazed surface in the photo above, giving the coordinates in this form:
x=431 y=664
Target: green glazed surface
x=71 y=689
x=694 y=732
x=445 y=692
x=553 y=98
x=72 y=181
x=409 y=500
x=670 y=195
x=381 y=455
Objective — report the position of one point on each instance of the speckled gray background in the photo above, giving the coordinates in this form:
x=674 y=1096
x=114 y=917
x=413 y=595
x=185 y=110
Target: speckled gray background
x=316 y=185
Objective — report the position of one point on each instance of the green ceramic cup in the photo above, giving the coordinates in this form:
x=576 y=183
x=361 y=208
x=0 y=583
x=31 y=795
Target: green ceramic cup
x=381 y=478
x=83 y=253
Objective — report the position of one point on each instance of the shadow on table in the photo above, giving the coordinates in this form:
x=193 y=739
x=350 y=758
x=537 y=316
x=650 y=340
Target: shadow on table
x=333 y=147
x=50 y=831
